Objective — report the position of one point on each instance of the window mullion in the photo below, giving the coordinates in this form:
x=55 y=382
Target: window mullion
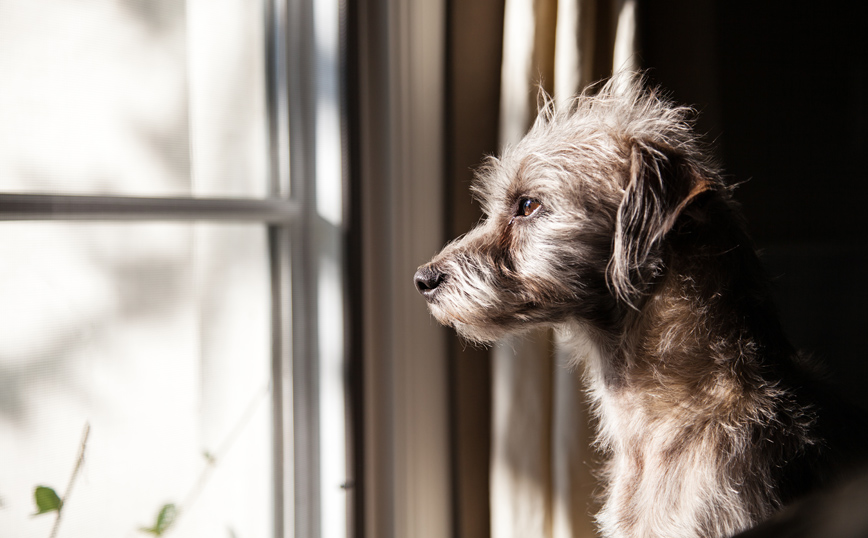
x=74 y=207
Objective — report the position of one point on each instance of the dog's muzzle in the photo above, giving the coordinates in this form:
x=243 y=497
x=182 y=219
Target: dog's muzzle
x=428 y=281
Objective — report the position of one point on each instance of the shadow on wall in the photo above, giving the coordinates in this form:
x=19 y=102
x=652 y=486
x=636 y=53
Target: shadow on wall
x=781 y=88
x=155 y=334
x=822 y=307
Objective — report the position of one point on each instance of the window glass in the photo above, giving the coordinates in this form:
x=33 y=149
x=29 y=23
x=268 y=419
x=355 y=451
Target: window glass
x=157 y=336
x=133 y=97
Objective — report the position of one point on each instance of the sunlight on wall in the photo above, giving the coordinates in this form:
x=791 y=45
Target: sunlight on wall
x=328 y=124
x=625 y=46
x=515 y=110
x=156 y=335
x=329 y=204
x=130 y=97
x=333 y=455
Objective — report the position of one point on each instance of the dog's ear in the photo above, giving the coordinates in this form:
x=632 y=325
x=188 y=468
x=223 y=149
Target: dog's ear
x=661 y=184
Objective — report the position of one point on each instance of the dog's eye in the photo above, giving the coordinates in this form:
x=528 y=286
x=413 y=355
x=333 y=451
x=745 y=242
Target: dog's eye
x=527 y=207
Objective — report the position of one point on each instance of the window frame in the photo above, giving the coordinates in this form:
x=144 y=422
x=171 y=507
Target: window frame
x=398 y=102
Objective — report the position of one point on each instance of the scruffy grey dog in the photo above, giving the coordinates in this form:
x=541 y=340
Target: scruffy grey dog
x=608 y=223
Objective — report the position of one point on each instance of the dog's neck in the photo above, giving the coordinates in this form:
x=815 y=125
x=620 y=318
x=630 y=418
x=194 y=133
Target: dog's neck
x=702 y=340
x=685 y=381
x=704 y=324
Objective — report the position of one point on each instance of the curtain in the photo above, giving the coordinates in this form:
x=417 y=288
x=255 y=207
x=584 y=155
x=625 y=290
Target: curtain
x=541 y=470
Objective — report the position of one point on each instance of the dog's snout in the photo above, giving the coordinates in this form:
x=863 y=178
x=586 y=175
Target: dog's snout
x=428 y=280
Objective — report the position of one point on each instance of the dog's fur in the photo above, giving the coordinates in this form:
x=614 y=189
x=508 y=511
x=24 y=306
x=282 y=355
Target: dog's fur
x=608 y=223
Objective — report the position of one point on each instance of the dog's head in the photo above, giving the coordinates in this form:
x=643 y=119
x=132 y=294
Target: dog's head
x=575 y=216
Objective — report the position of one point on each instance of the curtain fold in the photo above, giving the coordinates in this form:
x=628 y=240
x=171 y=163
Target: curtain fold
x=541 y=466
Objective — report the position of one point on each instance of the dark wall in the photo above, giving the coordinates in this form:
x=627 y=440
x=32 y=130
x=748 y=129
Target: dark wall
x=782 y=89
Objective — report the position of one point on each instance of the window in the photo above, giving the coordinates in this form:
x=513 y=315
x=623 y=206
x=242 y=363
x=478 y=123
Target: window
x=171 y=270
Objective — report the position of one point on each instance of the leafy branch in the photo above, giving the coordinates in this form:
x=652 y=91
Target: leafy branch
x=165 y=518
x=47 y=500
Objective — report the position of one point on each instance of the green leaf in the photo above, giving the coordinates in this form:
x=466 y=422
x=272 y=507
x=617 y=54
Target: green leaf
x=166 y=516
x=47 y=500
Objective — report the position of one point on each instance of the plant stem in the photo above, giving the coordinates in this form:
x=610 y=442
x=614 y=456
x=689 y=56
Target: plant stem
x=216 y=457
x=72 y=478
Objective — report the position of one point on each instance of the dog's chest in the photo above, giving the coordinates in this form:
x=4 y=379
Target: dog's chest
x=661 y=482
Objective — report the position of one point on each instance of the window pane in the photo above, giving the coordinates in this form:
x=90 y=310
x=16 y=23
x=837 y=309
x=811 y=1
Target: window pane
x=157 y=97
x=158 y=337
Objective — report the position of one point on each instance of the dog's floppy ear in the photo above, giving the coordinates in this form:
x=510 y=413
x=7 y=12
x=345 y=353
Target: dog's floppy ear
x=660 y=185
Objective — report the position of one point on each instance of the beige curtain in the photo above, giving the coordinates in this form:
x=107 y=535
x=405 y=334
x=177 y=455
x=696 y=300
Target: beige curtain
x=541 y=469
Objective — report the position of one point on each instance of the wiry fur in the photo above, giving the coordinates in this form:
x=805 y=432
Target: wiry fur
x=638 y=255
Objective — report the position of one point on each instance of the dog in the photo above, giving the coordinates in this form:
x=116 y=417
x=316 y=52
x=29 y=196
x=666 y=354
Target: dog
x=608 y=223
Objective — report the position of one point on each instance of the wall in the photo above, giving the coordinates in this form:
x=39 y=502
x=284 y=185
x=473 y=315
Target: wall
x=781 y=89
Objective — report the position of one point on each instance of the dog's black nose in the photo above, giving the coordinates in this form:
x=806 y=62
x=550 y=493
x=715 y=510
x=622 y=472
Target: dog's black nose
x=428 y=280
